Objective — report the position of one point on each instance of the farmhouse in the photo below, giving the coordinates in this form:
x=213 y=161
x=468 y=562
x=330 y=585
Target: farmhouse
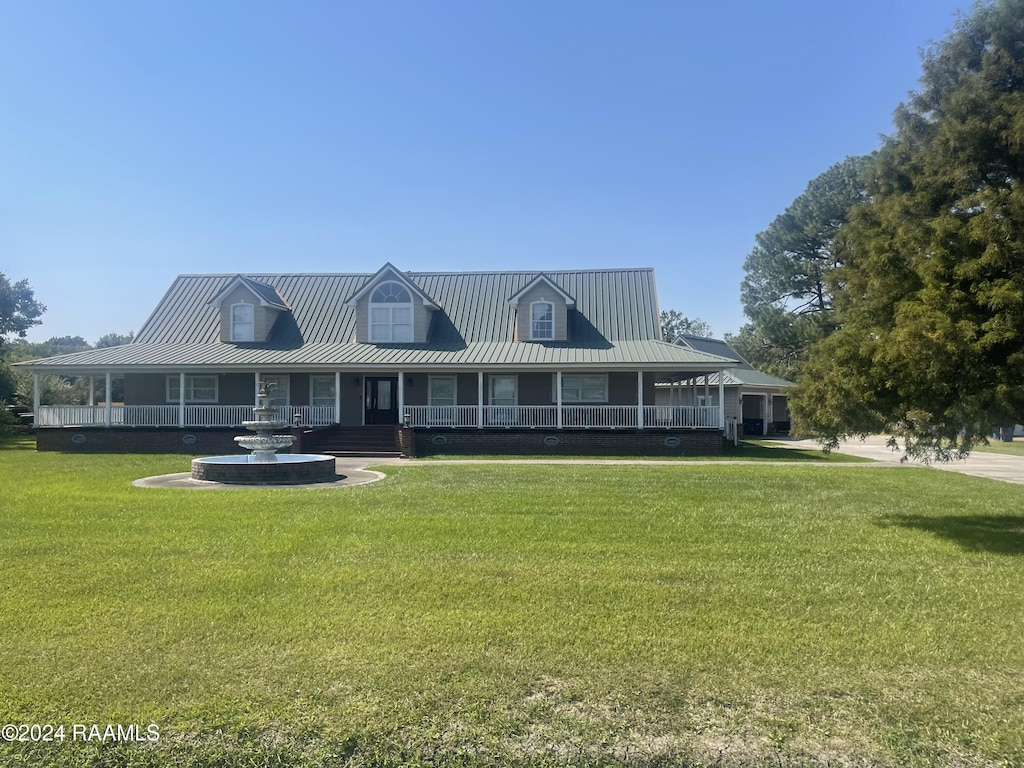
x=406 y=361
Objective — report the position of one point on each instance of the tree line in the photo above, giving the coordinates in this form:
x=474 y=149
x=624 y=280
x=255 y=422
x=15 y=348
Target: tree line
x=19 y=312
x=892 y=289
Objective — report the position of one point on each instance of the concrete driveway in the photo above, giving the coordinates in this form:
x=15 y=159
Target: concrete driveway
x=995 y=466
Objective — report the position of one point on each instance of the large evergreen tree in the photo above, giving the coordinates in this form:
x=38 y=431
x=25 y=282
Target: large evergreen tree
x=786 y=293
x=930 y=295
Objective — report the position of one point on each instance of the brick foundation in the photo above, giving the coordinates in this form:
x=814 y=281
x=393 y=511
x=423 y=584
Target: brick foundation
x=568 y=442
x=200 y=442
x=412 y=442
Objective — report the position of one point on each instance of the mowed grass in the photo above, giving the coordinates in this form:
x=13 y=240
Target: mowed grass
x=745 y=450
x=515 y=615
x=1013 y=448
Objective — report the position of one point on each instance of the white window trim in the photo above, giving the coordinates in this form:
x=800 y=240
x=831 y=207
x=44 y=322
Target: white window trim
x=173 y=379
x=252 y=322
x=565 y=376
x=490 y=388
x=334 y=382
x=430 y=387
x=276 y=391
x=533 y=334
x=390 y=306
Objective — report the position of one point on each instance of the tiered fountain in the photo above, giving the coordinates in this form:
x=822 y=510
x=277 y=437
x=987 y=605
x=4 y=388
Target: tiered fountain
x=264 y=465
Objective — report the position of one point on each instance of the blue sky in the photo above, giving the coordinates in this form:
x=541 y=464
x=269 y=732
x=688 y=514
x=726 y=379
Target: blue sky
x=143 y=140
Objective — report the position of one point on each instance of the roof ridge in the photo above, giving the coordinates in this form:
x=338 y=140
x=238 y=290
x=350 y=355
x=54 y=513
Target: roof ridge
x=418 y=272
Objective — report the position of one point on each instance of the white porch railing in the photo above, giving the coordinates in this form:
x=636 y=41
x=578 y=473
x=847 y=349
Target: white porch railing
x=573 y=416
x=170 y=415
x=692 y=416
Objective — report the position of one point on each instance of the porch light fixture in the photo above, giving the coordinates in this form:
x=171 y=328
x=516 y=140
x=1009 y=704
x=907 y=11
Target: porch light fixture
x=357 y=381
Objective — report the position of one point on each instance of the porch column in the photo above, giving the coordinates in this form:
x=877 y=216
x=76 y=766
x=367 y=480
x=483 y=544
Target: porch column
x=480 y=400
x=640 y=399
x=401 y=398
x=767 y=408
x=92 y=391
x=721 y=399
x=256 y=390
x=558 y=396
x=181 y=399
x=106 y=407
x=35 y=399
x=337 y=397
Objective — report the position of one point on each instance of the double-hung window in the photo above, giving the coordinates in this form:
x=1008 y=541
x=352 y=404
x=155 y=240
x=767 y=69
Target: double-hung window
x=321 y=389
x=542 y=321
x=585 y=388
x=198 y=389
x=391 y=313
x=242 y=322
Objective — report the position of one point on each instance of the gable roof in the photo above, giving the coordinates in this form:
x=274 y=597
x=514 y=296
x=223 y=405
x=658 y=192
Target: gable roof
x=614 y=325
x=389 y=270
x=612 y=305
x=268 y=297
x=541 y=278
x=743 y=373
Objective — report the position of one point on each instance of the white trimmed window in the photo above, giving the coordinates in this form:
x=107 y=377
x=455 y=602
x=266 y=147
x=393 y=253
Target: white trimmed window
x=321 y=389
x=542 y=321
x=198 y=389
x=280 y=394
x=584 y=388
x=441 y=390
x=242 y=322
x=390 y=313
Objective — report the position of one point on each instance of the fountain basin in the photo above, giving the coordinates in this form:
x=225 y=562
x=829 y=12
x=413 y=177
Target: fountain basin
x=286 y=469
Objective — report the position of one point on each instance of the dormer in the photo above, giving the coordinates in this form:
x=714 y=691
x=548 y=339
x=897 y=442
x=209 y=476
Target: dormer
x=248 y=310
x=391 y=309
x=542 y=311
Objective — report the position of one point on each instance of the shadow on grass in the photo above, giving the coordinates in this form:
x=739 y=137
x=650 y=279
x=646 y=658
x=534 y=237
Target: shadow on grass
x=998 y=534
x=757 y=451
x=17 y=443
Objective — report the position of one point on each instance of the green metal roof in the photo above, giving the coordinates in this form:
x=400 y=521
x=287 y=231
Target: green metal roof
x=614 y=324
x=743 y=374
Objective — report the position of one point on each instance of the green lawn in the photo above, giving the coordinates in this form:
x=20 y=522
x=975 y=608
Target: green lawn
x=1015 y=448
x=516 y=615
x=746 y=450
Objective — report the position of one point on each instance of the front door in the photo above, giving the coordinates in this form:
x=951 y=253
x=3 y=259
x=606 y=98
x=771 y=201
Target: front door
x=381 y=400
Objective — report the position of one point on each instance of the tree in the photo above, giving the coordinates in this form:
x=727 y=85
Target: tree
x=675 y=324
x=115 y=339
x=786 y=293
x=19 y=309
x=930 y=294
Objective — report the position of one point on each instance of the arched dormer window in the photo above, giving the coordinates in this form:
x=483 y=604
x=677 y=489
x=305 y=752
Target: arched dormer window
x=390 y=313
x=542 y=321
x=242 y=322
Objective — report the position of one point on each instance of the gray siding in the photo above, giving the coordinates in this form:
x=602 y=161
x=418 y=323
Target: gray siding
x=541 y=292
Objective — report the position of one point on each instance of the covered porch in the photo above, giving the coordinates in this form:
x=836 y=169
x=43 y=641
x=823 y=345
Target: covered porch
x=440 y=399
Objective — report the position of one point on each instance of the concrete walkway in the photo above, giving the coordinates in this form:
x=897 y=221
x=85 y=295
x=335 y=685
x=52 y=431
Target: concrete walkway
x=995 y=466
